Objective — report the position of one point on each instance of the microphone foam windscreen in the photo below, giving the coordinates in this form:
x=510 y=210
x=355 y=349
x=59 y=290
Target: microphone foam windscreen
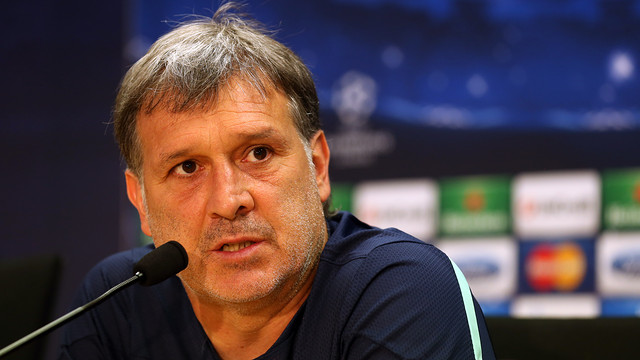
x=162 y=263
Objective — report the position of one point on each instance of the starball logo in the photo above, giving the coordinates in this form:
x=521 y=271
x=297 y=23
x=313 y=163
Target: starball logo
x=355 y=144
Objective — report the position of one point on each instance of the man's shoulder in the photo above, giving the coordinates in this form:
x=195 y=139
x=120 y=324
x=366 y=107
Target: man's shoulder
x=385 y=289
x=361 y=257
x=115 y=268
x=124 y=259
x=351 y=239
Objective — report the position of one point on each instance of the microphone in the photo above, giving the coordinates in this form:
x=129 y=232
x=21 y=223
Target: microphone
x=158 y=265
x=167 y=260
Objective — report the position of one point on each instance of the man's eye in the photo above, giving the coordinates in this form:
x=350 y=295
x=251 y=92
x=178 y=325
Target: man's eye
x=187 y=167
x=258 y=154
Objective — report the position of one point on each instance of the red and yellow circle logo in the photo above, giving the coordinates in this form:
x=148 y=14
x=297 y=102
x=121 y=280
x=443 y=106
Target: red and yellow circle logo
x=555 y=267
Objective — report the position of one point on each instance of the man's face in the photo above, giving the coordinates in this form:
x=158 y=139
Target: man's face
x=236 y=186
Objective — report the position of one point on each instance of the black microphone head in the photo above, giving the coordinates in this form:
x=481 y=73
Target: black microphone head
x=160 y=264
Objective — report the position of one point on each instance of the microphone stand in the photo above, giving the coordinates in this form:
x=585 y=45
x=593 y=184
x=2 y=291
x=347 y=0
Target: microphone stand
x=71 y=315
x=158 y=265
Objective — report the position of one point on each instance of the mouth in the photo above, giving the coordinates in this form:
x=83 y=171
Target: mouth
x=236 y=246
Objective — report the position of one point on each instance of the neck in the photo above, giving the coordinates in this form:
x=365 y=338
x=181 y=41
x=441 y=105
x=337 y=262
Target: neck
x=247 y=330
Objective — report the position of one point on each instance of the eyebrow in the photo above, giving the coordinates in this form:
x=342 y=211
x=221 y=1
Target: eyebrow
x=168 y=158
x=263 y=134
x=245 y=136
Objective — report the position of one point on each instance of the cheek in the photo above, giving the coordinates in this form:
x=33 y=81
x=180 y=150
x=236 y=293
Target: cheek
x=180 y=197
x=299 y=204
x=275 y=192
x=176 y=216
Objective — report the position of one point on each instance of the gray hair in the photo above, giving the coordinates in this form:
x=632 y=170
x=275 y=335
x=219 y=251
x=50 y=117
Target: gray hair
x=185 y=69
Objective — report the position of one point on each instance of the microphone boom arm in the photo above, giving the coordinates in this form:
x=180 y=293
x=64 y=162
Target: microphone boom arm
x=156 y=266
x=70 y=315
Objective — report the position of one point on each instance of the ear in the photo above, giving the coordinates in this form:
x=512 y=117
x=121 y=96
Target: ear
x=134 y=191
x=320 y=157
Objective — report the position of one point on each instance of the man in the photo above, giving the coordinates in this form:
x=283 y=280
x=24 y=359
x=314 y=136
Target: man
x=219 y=126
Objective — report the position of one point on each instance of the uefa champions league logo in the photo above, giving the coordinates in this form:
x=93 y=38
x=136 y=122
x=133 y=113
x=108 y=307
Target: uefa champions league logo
x=354 y=100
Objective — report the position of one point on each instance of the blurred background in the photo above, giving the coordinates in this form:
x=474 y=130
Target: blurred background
x=505 y=132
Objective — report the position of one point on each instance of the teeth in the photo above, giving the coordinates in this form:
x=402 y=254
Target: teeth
x=236 y=246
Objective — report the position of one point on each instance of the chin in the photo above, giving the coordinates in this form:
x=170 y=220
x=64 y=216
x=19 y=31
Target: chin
x=235 y=293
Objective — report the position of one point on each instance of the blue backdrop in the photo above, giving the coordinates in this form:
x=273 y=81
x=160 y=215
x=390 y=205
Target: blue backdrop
x=456 y=87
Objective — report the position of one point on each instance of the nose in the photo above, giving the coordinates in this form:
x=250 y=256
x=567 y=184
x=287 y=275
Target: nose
x=229 y=193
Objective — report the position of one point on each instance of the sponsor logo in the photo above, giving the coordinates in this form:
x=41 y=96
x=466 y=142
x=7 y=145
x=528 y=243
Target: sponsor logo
x=474 y=206
x=622 y=215
x=391 y=215
x=409 y=205
x=478 y=268
x=557 y=204
x=618 y=263
x=621 y=198
x=555 y=267
x=627 y=263
x=488 y=263
x=474 y=200
x=555 y=207
x=462 y=223
x=556 y=306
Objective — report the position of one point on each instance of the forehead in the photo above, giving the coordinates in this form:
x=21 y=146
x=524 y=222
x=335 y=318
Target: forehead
x=238 y=90
x=251 y=95
x=238 y=107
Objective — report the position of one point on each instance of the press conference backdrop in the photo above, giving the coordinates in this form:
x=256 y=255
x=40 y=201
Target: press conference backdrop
x=505 y=132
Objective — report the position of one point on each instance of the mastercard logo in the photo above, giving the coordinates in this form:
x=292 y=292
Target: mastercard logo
x=555 y=267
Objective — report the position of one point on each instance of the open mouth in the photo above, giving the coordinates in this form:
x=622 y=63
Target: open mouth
x=236 y=246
